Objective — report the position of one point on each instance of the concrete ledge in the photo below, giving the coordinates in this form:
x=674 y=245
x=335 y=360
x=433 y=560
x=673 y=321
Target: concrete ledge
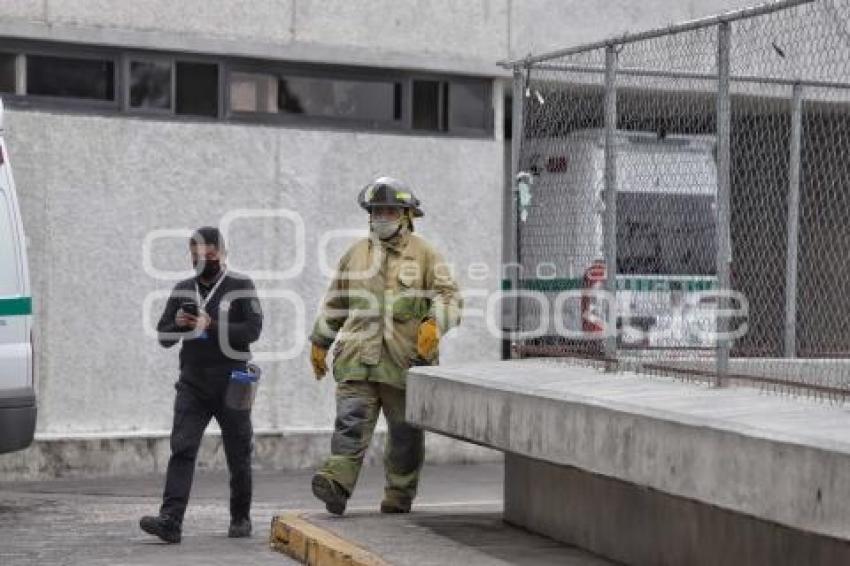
x=293 y=535
x=441 y=534
x=773 y=458
x=109 y=455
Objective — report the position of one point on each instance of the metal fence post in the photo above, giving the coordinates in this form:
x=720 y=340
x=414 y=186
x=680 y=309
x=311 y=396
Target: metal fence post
x=610 y=218
x=517 y=132
x=724 y=240
x=793 y=222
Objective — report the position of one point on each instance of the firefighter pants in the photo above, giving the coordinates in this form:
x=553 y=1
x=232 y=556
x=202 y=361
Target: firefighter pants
x=358 y=404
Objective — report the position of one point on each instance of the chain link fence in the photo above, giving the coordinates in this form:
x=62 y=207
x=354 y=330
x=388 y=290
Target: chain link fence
x=682 y=200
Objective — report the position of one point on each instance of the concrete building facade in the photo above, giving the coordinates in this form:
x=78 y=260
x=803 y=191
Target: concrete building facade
x=95 y=184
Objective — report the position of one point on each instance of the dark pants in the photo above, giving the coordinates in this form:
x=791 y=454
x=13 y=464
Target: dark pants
x=193 y=410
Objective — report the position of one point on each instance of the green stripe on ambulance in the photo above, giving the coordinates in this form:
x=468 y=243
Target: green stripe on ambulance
x=643 y=284
x=15 y=306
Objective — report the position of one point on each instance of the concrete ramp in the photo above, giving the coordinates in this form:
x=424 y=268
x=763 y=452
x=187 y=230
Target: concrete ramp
x=651 y=470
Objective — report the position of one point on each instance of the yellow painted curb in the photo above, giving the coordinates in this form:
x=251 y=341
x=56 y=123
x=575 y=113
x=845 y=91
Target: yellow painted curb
x=293 y=535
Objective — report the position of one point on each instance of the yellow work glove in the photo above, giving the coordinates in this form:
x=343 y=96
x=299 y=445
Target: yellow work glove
x=317 y=358
x=428 y=339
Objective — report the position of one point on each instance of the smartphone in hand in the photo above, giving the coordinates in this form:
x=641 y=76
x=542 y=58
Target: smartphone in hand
x=190 y=307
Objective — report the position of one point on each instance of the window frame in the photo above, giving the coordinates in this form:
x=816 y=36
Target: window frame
x=315 y=72
x=20 y=63
x=444 y=113
x=127 y=60
x=76 y=52
x=241 y=114
x=220 y=65
x=441 y=106
x=122 y=58
x=489 y=110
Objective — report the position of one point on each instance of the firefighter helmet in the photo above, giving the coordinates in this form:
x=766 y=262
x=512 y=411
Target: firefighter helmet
x=386 y=191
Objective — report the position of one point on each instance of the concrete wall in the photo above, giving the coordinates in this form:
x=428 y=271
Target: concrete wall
x=268 y=20
x=546 y=25
x=459 y=35
x=92 y=188
x=633 y=525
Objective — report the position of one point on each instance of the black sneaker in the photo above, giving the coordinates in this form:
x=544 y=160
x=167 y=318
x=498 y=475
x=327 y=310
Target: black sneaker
x=395 y=507
x=239 y=528
x=331 y=493
x=162 y=526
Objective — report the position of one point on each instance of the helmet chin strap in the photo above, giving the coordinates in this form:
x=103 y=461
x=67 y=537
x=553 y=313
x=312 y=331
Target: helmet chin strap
x=401 y=224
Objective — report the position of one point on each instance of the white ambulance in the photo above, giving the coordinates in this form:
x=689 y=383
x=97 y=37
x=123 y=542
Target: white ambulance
x=666 y=237
x=17 y=387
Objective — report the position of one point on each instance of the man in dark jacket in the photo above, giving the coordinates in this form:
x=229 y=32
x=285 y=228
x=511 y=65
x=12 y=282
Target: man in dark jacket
x=217 y=316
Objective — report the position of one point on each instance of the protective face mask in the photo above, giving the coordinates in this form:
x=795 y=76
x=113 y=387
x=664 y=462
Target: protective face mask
x=211 y=267
x=385 y=229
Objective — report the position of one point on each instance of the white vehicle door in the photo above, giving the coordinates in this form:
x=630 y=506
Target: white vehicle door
x=15 y=304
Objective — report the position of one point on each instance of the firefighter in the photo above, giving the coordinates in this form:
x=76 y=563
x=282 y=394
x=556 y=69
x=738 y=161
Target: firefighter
x=391 y=300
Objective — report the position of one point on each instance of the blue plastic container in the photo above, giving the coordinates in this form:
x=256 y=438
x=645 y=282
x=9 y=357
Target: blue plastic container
x=242 y=388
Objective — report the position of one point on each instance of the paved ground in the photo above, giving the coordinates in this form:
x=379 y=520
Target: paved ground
x=439 y=535
x=95 y=522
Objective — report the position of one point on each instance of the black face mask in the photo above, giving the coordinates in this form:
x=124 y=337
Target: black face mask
x=211 y=268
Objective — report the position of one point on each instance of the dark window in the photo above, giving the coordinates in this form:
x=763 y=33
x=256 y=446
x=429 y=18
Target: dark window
x=71 y=78
x=397 y=102
x=665 y=234
x=375 y=101
x=150 y=85
x=468 y=105
x=7 y=72
x=197 y=89
x=444 y=105
x=426 y=105
x=508 y=117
